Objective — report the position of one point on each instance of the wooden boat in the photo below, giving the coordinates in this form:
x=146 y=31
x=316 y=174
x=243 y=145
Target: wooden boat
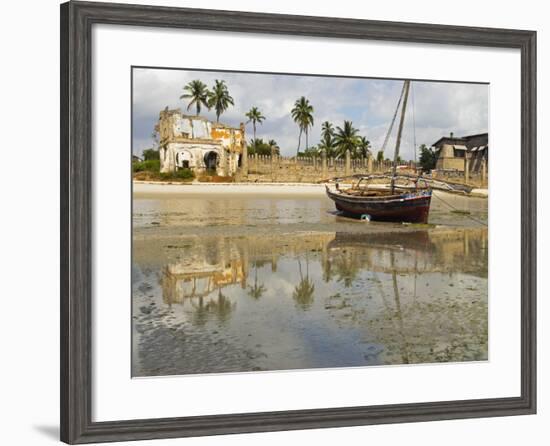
x=410 y=205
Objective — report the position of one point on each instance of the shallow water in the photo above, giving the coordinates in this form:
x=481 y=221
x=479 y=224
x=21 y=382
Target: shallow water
x=226 y=283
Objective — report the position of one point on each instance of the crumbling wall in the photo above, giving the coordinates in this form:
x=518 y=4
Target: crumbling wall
x=266 y=168
x=186 y=140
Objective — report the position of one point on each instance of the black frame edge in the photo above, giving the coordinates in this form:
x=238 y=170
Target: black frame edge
x=75 y=212
x=529 y=221
x=64 y=223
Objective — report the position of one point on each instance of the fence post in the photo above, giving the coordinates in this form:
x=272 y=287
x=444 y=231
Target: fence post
x=483 y=171
x=369 y=163
x=324 y=163
x=271 y=160
x=347 y=166
x=466 y=168
x=244 y=157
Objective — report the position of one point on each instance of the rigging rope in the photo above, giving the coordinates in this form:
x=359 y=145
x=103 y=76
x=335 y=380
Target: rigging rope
x=386 y=139
x=414 y=123
x=460 y=210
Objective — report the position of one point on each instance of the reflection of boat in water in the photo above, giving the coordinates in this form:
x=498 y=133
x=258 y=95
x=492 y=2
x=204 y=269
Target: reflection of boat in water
x=387 y=204
x=407 y=240
x=419 y=251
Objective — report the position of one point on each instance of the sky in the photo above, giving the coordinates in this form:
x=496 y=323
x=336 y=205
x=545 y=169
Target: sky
x=435 y=108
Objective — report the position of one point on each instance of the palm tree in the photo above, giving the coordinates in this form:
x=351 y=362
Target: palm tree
x=346 y=138
x=327 y=138
x=197 y=91
x=254 y=115
x=219 y=98
x=273 y=146
x=302 y=113
x=363 y=144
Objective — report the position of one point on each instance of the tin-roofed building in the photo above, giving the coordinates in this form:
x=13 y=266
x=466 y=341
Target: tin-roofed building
x=456 y=153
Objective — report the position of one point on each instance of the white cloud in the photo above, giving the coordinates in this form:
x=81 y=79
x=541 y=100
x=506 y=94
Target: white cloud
x=439 y=107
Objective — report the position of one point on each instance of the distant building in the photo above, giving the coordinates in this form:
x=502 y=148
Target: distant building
x=455 y=153
x=136 y=159
x=196 y=143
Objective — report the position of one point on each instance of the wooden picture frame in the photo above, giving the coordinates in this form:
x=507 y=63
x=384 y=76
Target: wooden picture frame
x=77 y=19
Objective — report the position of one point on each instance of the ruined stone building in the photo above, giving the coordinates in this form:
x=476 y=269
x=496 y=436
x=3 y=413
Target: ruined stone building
x=470 y=152
x=198 y=144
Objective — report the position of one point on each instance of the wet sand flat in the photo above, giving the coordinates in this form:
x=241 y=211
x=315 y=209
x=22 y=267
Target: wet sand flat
x=236 y=280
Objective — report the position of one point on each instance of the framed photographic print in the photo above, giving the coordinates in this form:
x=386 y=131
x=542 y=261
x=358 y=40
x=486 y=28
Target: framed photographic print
x=275 y=222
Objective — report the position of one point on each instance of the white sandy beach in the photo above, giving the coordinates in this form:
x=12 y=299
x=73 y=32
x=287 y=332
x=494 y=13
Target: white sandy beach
x=228 y=188
x=141 y=188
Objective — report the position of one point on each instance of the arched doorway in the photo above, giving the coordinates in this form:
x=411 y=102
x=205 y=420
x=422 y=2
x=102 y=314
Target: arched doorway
x=183 y=159
x=211 y=160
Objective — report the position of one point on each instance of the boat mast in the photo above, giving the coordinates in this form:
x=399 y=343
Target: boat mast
x=406 y=86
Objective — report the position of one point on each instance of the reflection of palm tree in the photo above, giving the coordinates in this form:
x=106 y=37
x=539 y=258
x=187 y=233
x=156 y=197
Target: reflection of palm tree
x=327 y=271
x=221 y=308
x=256 y=291
x=303 y=292
x=399 y=315
x=347 y=272
x=200 y=314
x=346 y=267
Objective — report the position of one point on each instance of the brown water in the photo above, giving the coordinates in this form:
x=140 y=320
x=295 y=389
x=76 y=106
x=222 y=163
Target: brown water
x=232 y=283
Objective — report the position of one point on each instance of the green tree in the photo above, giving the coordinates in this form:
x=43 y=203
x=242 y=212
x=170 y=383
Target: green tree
x=150 y=154
x=254 y=116
x=312 y=151
x=219 y=98
x=260 y=147
x=327 y=138
x=346 y=138
x=197 y=92
x=363 y=147
x=380 y=156
x=302 y=113
x=275 y=149
x=428 y=158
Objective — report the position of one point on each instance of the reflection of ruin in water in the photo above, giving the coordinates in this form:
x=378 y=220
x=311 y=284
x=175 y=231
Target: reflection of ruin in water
x=393 y=288
x=214 y=263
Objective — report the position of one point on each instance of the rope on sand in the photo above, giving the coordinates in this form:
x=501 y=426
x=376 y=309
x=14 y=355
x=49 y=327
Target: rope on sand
x=460 y=210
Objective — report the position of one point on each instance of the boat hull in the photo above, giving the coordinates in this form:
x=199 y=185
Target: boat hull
x=409 y=208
